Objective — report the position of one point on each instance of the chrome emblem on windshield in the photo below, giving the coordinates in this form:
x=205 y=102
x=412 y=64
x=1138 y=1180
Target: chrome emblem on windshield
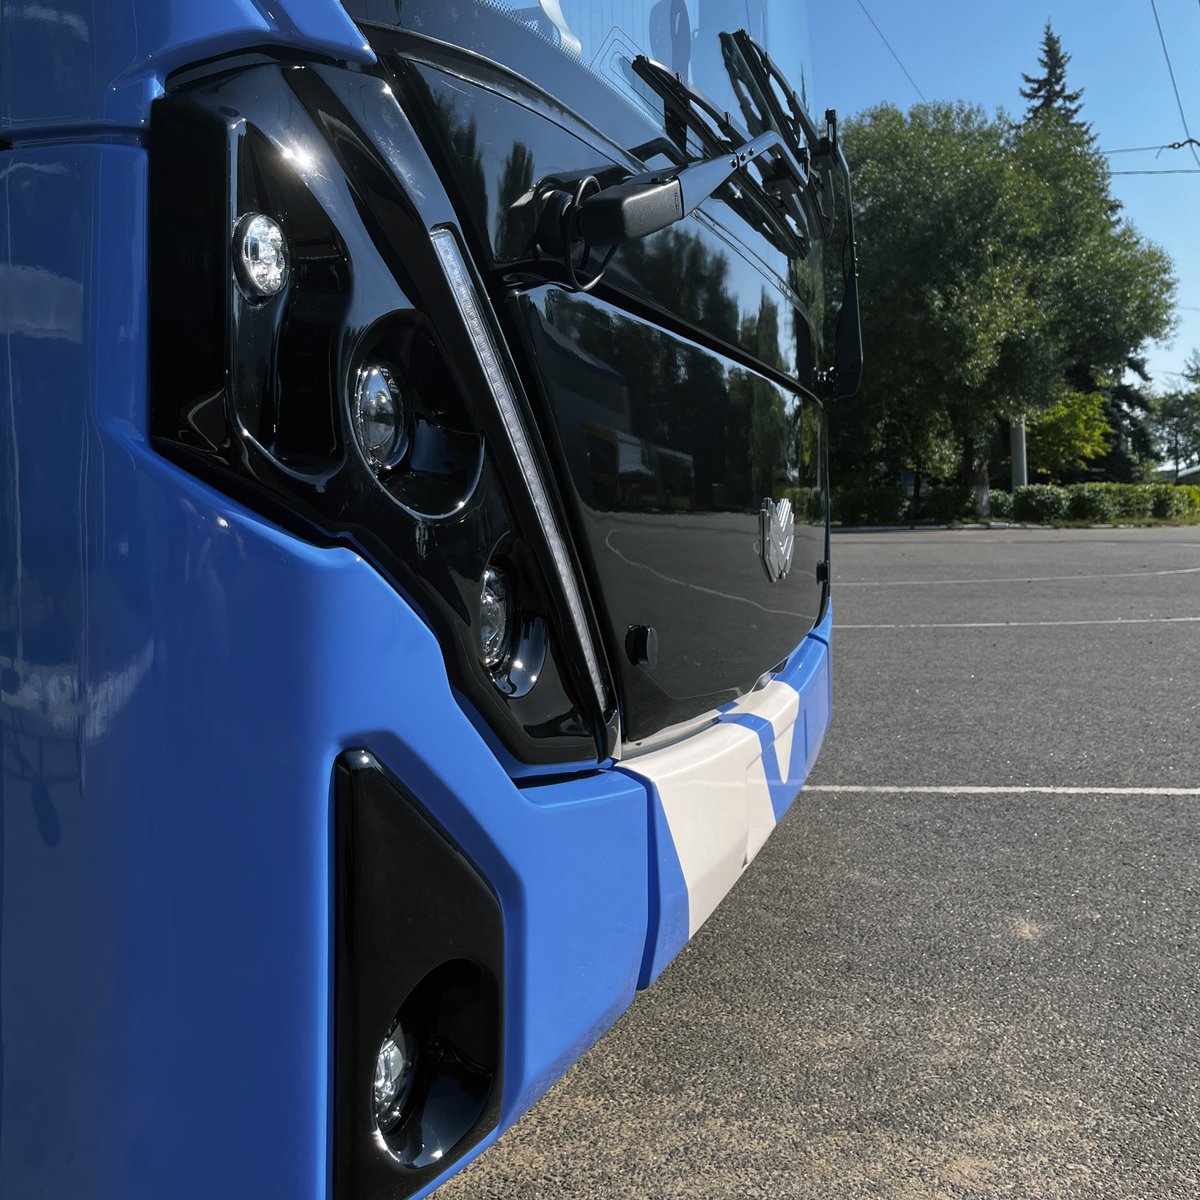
x=776 y=538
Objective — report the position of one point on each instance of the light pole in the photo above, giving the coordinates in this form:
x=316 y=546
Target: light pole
x=1020 y=472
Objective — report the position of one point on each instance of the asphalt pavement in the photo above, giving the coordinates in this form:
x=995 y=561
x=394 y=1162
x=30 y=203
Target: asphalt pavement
x=966 y=964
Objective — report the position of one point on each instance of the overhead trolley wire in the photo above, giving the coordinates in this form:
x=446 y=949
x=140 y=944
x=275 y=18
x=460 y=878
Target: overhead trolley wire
x=1191 y=141
x=893 y=52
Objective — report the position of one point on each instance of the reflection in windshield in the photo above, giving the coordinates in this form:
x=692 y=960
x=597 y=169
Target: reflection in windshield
x=683 y=35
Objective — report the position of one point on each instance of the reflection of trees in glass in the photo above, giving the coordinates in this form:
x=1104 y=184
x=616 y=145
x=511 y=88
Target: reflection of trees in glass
x=463 y=139
x=515 y=180
x=679 y=394
x=676 y=392
x=687 y=275
x=744 y=436
x=758 y=407
x=808 y=496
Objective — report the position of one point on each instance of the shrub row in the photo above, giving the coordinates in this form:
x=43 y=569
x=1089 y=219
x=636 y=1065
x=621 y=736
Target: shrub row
x=1103 y=503
x=868 y=504
x=1039 y=504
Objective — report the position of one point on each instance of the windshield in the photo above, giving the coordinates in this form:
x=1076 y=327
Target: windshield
x=683 y=35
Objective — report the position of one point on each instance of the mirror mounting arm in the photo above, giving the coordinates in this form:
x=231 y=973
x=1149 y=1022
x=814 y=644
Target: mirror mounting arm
x=643 y=204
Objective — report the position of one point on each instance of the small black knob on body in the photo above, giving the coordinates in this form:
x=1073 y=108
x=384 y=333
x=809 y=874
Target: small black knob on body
x=823 y=571
x=641 y=645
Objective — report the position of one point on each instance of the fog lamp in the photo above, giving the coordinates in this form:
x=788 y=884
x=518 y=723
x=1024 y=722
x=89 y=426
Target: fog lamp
x=379 y=415
x=495 y=618
x=393 y=1079
x=261 y=255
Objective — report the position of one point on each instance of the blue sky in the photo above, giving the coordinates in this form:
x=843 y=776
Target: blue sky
x=966 y=50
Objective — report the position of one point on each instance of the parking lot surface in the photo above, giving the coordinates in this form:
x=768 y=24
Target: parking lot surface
x=966 y=964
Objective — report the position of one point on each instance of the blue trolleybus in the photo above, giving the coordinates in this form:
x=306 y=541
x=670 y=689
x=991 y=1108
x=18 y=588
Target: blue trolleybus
x=414 y=586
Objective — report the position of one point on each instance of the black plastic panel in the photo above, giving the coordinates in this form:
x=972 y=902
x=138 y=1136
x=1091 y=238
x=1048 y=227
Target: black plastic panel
x=418 y=933
x=671 y=450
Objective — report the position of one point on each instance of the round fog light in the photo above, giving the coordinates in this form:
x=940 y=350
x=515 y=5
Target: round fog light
x=393 y=1079
x=261 y=254
x=378 y=415
x=495 y=618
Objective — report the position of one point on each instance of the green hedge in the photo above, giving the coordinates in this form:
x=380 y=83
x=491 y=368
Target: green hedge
x=1102 y=503
x=1001 y=504
x=875 y=504
x=947 y=502
x=1089 y=502
x=1040 y=503
x=1171 y=503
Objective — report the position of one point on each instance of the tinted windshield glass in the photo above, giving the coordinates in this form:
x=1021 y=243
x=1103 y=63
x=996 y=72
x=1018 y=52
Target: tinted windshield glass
x=683 y=35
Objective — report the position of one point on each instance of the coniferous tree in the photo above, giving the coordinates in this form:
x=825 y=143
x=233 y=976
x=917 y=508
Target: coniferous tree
x=1047 y=93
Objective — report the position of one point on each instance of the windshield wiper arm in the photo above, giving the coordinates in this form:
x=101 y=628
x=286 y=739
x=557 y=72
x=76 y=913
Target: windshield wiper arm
x=776 y=198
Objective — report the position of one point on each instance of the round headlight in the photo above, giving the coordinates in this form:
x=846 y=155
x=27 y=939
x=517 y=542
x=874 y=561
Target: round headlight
x=495 y=618
x=379 y=415
x=261 y=255
x=393 y=1079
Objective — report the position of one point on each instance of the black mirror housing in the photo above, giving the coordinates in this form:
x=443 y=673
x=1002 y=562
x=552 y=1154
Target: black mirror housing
x=848 y=348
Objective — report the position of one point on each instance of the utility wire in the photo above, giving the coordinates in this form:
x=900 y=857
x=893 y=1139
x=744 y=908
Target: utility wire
x=1191 y=141
x=1162 y=171
x=893 y=53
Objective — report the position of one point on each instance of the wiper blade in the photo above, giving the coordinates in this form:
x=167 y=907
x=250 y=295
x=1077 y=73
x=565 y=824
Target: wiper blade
x=771 y=205
x=772 y=92
x=795 y=124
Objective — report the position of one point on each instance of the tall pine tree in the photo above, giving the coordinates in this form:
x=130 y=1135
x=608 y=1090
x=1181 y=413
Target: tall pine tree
x=1047 y=93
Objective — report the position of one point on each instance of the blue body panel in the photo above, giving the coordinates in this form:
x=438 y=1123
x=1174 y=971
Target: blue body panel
x=177 y=677
x=74 y=67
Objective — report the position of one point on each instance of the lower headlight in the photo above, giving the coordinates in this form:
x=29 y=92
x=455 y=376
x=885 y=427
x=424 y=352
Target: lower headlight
x=393 y=1079
x=495 y=618
x=379 y=416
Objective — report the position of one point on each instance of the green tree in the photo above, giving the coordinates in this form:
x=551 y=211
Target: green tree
x=1047 y=93
x=1176 y=420
x=995 y=269
x=1065 y=437
x=942 y=227
x=1131 y=454
x=1102 y=349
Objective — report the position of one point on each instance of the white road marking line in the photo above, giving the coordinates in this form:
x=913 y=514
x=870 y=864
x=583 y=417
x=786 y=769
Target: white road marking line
x=845 y=583
x=1026 y=624
x=940 y=790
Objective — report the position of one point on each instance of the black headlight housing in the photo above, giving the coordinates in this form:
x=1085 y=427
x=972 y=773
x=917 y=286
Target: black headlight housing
x=256 y=393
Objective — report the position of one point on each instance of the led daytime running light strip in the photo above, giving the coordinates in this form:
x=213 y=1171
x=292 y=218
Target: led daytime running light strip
x=446 y=245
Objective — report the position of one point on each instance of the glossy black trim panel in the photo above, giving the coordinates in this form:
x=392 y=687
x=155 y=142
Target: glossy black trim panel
x=669 y=452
